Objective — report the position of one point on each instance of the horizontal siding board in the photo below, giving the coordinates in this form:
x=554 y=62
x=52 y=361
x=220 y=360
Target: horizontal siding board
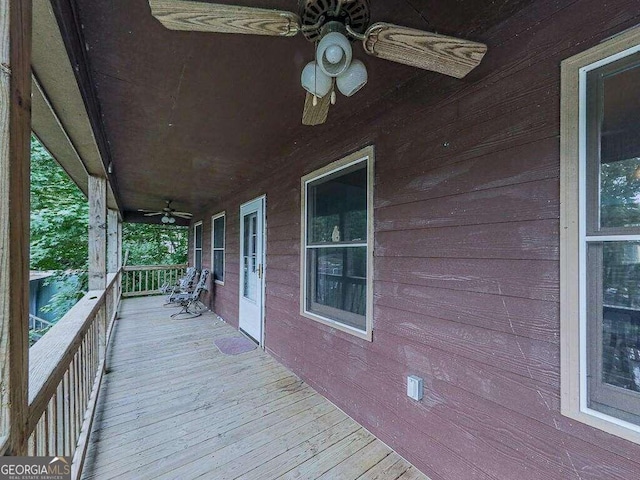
x=534 y=319
x=528 y=358
x=534 y=240
x=521 y=164
x=535 y=279
x=513 y=203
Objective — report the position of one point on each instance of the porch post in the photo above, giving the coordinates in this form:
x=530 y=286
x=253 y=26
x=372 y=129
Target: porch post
x=112 y=241
x=15 y=131
x=97 y=232
x=98 y=249
x=119 y=245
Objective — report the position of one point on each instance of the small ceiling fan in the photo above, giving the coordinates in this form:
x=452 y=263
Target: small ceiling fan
x=168 y=214
x=332 y=25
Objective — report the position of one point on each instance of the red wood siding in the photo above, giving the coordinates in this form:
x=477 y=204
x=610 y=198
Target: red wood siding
x=466 y=262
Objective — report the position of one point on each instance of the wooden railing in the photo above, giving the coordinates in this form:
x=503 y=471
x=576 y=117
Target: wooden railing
x=37 y=323
x=143 y=280
x=65 y=373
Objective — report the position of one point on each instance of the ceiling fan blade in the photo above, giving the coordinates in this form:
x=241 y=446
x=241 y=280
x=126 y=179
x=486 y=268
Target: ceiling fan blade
x=430 y=51
x=153 y=214
x=316 y=115
x=212 y=17
x=182 y=214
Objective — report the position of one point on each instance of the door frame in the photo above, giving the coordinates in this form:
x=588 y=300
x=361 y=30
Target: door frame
x=263 y=282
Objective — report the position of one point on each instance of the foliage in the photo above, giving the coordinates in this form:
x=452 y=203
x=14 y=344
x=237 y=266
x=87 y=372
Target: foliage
x=59 y=229
x=150 y=244
x=59 y=216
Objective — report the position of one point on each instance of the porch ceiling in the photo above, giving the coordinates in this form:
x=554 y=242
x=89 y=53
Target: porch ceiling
x=193 y=116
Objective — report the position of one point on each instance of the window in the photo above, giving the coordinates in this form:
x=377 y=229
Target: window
x=217 y=247
x=600 y=239
x=337 y=239
x=197 y=246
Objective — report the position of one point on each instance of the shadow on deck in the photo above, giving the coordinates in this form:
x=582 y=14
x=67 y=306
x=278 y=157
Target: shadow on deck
x=173 y=407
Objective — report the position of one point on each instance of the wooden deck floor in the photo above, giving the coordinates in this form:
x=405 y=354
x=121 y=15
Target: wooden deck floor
x=174 y=407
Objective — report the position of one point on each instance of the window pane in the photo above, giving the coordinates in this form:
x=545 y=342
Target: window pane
x=218 y=265
x=619 y=141
x=337 y=284
x=337 y=207
x=621 y=315
x=198 y=234
x=198 y=259
x=615 y=324
x=218 y=233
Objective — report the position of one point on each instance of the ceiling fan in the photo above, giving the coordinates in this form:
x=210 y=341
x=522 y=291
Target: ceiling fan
x=332 y=25
x=168 y=214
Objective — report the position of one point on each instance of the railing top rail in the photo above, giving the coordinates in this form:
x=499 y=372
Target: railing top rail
x=49 y=358
x=137 y=268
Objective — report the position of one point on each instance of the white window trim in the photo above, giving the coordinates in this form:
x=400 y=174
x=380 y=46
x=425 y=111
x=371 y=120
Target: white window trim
x=573 y=323
x=195 y=225
x=224 y=246
x=367 y=154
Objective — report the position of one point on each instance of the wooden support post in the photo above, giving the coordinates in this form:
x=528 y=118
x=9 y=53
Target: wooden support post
x=112 y=241
x=15 y=132
x=97 y=233
x=119 y=245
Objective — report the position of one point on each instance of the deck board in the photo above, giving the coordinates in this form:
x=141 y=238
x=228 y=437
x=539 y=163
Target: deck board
x=173 y=407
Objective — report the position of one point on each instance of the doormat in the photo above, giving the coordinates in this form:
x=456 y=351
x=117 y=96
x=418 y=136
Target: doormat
x=234 y=345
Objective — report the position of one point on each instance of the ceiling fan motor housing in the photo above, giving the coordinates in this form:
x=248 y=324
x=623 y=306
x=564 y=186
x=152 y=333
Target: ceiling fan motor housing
x=355 y=13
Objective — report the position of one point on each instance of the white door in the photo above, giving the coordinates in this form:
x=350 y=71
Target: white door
x=252 y=268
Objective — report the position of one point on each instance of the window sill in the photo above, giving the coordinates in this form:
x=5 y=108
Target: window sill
x=368 y=336
x=605 y=422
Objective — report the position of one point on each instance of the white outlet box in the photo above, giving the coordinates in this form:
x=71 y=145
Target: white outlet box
x=415 y=387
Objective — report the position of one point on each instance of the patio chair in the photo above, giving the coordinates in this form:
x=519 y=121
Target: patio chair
x=190 y=301
x=188 y=278
x=185 y=285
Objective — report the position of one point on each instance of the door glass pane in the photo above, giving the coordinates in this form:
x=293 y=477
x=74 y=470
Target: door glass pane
x=337 y=207
x=249 y=260
x=619 y=140
x=218 y=233
x=337 y=284
x=621 y=315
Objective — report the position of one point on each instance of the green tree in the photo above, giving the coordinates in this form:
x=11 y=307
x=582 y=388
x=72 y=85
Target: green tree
x=150 y=244
x=59 y=216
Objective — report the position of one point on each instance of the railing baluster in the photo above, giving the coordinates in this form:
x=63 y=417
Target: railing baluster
x=51 y=432
x=31 y=444
x=65 y=414
x=59 y=399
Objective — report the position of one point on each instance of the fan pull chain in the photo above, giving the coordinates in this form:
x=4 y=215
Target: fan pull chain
x=334 y=98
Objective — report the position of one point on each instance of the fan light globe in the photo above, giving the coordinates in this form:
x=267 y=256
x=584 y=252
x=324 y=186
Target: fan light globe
x=334 y=54
x=315 y=81
x=351 y=81
x=165 y=219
